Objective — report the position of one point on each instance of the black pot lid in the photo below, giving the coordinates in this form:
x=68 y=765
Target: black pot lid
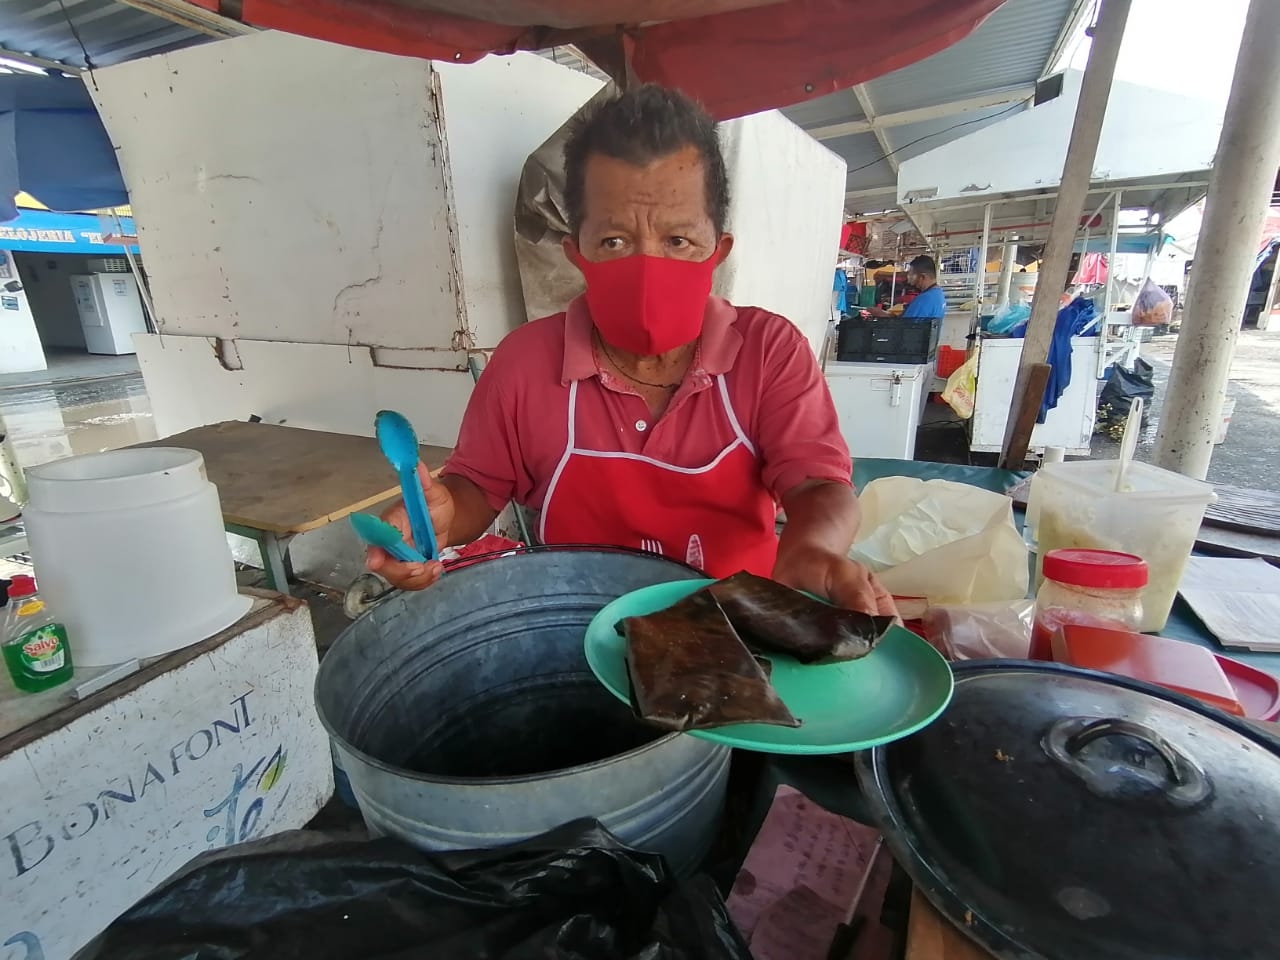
x=1069 y=815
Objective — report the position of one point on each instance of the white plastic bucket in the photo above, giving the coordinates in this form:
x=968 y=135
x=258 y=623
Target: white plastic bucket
x=130 y=552
x=1228 y=411
x=1157 y=517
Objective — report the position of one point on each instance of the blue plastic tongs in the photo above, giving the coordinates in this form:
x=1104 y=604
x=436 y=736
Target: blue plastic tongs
x=400 y=446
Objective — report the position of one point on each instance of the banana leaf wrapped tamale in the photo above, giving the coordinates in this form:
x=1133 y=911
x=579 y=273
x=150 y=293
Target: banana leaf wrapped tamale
x=772 y=618
x=690 y=670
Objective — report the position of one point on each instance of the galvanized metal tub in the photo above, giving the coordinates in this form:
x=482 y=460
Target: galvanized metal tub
x=465 y=716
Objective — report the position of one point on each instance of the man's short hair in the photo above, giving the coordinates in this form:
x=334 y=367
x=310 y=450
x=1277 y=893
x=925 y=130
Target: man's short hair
x=644 y=124
x=924 y=264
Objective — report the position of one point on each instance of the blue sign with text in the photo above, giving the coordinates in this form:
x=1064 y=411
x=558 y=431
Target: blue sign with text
x=42 y=231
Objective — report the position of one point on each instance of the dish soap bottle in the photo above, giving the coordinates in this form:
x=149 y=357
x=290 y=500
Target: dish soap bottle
x=35 y=643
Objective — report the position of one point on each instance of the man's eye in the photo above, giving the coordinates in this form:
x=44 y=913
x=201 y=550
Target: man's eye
x=611 y=243
x=679 y=242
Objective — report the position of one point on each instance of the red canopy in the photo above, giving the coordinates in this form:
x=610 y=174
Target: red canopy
x=736 y=56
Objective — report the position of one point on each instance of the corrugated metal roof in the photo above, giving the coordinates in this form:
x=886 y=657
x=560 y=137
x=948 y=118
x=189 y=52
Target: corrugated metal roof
x=112 y=32
x=1011 y=47
x=833 y=108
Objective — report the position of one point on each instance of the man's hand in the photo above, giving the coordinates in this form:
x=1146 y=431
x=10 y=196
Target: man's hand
x=822 y=519
x=878 y=312
x=416 y=576
x=836 y=577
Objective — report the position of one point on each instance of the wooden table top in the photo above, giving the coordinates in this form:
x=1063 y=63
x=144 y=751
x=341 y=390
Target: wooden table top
x=930 y=936
x=289 y=480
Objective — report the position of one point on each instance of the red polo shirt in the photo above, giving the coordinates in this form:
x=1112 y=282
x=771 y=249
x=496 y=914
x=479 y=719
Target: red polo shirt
x=516 y=425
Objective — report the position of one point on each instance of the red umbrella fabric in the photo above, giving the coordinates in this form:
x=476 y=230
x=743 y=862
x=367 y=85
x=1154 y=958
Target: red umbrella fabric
x=736 y=56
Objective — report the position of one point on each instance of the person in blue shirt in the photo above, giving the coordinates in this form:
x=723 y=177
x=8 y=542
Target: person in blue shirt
x=930 y=303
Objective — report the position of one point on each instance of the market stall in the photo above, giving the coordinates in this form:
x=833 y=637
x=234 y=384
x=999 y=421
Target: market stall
x=995 y=188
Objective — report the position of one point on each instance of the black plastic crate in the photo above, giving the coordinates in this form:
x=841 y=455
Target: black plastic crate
x=888 y=340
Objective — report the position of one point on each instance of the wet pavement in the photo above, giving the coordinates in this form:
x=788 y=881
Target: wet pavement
x=49 y=422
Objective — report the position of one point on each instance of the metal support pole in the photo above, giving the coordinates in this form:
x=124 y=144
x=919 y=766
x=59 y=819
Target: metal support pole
x=1006 y=273
x=980 y=268
x=144 y=292
x=1240 y=187
x=1095 y=89
x=1111 y=261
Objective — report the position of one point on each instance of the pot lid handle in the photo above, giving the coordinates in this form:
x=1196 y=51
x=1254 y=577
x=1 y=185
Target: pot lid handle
x=1123 y=771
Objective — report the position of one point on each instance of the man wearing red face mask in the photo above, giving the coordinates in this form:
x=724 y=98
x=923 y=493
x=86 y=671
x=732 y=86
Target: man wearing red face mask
x=651 y=414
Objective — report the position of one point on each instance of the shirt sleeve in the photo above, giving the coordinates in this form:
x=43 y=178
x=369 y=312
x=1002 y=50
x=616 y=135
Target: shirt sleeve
x=796 y=426
x=488 y=451
x=930 y=305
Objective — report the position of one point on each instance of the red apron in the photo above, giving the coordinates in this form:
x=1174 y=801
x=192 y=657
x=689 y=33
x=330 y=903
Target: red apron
x=718 y=517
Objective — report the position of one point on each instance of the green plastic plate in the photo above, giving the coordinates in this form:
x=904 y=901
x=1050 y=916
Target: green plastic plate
x=897 y=689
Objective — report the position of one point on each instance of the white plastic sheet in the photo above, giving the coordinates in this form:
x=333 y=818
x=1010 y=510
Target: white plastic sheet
x=947 y=542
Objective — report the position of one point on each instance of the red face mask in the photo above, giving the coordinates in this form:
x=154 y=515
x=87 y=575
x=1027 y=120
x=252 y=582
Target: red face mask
x=647 y=305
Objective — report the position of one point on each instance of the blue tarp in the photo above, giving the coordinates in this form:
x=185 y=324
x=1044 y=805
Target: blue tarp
x=53 y=145
x=39 y=231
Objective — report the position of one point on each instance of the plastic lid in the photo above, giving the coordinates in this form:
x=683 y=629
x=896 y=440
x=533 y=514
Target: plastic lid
x=1103 y=569
x=22 y=586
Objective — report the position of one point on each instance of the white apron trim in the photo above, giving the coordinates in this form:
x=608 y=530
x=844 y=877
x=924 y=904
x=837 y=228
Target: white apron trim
x=570 y=449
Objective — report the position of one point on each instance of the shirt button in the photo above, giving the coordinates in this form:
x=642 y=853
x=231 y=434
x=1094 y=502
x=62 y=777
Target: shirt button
x=641 y=426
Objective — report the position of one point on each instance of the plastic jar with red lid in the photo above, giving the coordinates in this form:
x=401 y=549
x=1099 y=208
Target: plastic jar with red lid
x=1095 y=588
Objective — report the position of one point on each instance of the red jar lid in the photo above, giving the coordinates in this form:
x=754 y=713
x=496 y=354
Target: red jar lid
x=1102 y=569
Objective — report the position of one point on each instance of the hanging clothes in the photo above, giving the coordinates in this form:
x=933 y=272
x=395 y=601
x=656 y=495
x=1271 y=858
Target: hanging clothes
x=1071 y=322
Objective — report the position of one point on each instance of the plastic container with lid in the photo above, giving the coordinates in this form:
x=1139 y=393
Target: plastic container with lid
x=1157 y=516
x=1093 y=588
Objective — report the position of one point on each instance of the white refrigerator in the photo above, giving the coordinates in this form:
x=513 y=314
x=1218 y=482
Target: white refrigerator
x=880 y=405
x=110 y=311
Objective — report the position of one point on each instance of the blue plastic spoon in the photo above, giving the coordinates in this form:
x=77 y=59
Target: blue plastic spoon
x=400 y=446
x=378 y=533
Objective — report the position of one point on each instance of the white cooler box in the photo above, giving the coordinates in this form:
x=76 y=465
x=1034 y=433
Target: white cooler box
x=880 y=405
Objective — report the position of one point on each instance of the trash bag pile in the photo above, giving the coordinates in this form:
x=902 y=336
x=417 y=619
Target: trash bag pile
x=575 y=893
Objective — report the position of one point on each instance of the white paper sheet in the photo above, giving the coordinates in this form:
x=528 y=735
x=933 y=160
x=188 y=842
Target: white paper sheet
x=1238 y=600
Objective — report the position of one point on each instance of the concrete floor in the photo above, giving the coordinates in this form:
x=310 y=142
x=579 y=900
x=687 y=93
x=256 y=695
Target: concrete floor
x=70 y=365
x=1250 y=457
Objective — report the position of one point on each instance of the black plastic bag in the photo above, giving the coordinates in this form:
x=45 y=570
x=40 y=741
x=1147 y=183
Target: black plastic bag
x=1122 y=388
x=575 y=893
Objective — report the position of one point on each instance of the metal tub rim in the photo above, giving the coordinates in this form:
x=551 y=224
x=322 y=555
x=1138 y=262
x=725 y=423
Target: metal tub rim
x=561 y=773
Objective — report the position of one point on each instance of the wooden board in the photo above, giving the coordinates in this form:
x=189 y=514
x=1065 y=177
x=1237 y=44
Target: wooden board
x=930 y=936
x=289 y=480
x=1244 y=510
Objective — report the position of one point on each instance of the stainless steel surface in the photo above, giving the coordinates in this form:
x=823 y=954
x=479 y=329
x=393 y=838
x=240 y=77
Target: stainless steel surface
x=466 y=716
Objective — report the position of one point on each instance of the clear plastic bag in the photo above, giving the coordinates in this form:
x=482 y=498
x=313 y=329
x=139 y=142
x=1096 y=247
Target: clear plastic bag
x=981 y=631
x=1152 y=307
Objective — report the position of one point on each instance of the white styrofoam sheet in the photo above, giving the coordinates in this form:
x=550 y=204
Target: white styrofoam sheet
x=497 y=112
x=786 y=208
x=1068 y=425
x=286 y=189
x=311 y=385
x=220 y=749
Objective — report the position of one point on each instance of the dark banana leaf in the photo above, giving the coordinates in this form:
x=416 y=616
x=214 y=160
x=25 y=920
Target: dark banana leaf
x=773 y=618
x=689 y=670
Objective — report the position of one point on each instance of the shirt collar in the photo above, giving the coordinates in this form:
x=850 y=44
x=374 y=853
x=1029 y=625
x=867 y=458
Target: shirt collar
x=719 y=347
